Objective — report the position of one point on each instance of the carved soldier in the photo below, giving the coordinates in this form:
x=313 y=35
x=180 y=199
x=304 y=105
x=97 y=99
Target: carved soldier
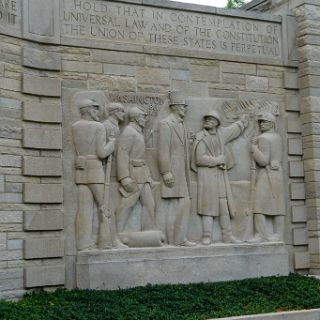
x=269 y=190
x=210 y=160
x=133 y=173
x=173 y=157
x=116 y=114
x=89 y=139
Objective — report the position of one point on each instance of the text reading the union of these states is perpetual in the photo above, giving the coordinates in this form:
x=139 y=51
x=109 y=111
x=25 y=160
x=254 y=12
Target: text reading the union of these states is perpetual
x=144 y=25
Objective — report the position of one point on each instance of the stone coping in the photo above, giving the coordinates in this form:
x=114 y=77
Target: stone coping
x=313 y=314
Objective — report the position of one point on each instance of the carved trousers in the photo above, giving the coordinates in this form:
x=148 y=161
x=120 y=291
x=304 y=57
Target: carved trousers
x=88 y=195
x=126 y=205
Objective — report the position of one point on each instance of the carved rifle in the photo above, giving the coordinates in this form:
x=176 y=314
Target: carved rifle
x=105 y=227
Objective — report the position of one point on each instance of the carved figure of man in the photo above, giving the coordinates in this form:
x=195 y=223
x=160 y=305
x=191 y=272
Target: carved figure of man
x=210 y=160
x=116 y=114
x=89 y=139
x=269 y=190
x=133 y=173
x=173 y=157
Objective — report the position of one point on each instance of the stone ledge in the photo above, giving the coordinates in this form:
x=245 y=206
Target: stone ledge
x=111 y=269
x=313 y=314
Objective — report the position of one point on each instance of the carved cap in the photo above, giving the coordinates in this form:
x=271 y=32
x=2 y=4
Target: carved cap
x=176 y=98
x=87 y=103
x=134 y=112
x=267 y=116
x=113 y=106
x=213 y=114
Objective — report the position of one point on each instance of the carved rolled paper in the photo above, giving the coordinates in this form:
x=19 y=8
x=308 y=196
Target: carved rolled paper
x=143 y=239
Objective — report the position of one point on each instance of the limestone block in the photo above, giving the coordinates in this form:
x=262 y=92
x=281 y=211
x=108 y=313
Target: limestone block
x=310 y=104
x=310 y=165
x=205 y=73
x=43 y=193
x=41 y=166
x=312 y=117
x=234 y=67
x=10 y=84
x=311 y=129
x=296 y=169
x=292 y=103
x=254 y=83
x=156 y=76
x=295 y=147
x=40 y=59
x=300 y=236
x=119 y=70
x=15 y=244
x=10 y=216
x=291 y=80
x=42 y=112
x=41 y=85
x=314 y=245
x=301 y=260
x=43 y=220
x=294 y=125
x=41 y=20
x=299 y=213
x=38 y=248
x=42 y=138
x=297 y=191
x=84 y=67
x=7 y=160
x=310 y=81
x=44 y=276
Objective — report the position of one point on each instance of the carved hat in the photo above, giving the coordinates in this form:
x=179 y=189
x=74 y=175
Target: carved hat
x=134 y=112
x=87 y=103
x=213 y=114
x=176 y=98
x=113 y=106
x=267 y=116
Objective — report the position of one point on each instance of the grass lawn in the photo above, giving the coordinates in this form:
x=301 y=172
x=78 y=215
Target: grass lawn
x=164 y=302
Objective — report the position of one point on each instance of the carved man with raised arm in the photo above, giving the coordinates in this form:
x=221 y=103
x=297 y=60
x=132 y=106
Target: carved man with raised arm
x=269 y=192
x=89 y=139
x=174 y=165
x=210 y=160
x=133 y=173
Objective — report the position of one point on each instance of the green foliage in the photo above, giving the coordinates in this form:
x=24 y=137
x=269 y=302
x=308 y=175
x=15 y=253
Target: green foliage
x=166 y=302
x=233 y=4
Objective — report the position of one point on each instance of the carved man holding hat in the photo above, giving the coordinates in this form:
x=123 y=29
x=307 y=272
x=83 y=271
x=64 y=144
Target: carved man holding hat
x=210 y=159
x=173 y=157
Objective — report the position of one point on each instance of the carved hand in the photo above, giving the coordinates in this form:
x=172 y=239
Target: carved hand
x=220 y=160
x=245 y=120
x=129 y=184
x=168 y=179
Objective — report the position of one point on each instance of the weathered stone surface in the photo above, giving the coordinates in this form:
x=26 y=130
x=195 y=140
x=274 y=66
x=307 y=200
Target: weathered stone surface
x=45 y=29
x=300 y=236
x=296 y=169
x=43 y=220
x=291 y=80
x=293 y=103
x=39 y=248
x=41 y=166
x=42 y=138
x=41 y=59
x=44 y=276
x=43 y=193
x=254 y=83
x=299 y=213
x=295 y=146
x=42 y=112
x=41 y=85
x=297 y=191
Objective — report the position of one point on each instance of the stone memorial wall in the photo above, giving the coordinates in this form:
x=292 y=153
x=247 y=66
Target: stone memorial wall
x=156 y=142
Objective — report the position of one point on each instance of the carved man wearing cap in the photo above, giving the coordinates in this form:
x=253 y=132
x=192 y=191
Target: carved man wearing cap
x=116 y=114
x=133 y=173
x=210 y=160
x=89 y=139
x=173 y=157
x=269 y=195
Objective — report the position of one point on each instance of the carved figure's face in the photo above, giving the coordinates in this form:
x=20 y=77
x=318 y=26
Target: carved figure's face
x=180 y=110
x=93 y=111
x=141 y=119
x=210 y=123
x=265 y=125
x=120 y=114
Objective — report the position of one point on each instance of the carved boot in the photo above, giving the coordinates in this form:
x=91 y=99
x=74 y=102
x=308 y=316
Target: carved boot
x=206 y=240
x=207 y=224
x=225 y=224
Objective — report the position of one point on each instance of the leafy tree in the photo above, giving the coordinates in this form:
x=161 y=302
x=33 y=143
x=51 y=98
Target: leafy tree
x=233 y=4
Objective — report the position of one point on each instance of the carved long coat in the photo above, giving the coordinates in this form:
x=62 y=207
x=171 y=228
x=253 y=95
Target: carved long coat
x=211 y=184
x=173 y=156
x=269 y=194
